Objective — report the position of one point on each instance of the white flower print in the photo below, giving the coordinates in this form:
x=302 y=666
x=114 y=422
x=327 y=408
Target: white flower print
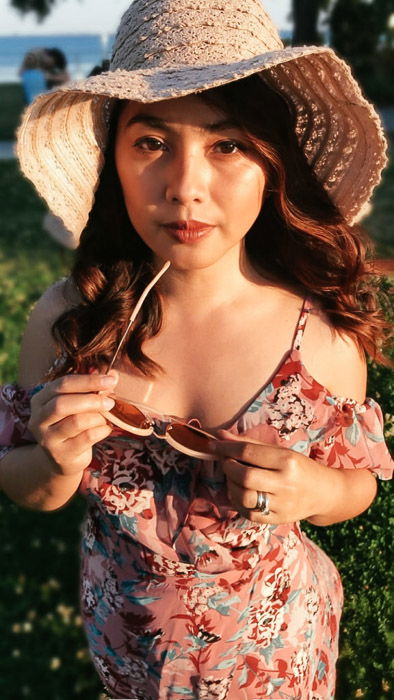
x=265 y=623
x=291 y=549
x=101 y=666
x=275 y=584
x=312 y=602
x=130 y=474
x=196 y=598
x=165 y=457
x=299 y=663
x=89 y=534
x=288 y=412
x=127 y=503
x=136 y=669
x=290 y=542
x=163 y=565
x=111 y=591
x=240 y=532
x=89 y=601
x=212 y=688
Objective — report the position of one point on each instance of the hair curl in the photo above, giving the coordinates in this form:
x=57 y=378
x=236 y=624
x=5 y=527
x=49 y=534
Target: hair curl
x=299 y=238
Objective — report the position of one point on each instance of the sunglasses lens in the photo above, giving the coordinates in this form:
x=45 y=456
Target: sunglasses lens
x=129 y=414
x=191 y=438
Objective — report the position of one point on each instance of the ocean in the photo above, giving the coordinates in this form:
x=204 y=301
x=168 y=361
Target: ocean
x=83 y=52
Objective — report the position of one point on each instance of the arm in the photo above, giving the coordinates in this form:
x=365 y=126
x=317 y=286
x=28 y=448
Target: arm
x=299 y=487
x=66 y=419
x=66 y=422
x=27 y=477
x=349 y=494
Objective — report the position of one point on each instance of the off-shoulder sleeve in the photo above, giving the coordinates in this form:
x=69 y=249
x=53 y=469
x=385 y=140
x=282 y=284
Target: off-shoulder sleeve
x=14 y=417
x=353 y=438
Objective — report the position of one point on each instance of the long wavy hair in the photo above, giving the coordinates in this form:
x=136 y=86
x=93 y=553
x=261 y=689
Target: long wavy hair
x=299 y=238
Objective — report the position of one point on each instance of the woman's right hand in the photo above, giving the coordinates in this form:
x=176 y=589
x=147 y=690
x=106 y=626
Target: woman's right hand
x=67 y=419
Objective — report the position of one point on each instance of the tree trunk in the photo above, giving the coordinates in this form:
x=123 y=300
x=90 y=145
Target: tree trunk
x=305 y=15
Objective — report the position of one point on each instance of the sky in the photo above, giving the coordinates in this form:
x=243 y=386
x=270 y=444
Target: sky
x=94 y=16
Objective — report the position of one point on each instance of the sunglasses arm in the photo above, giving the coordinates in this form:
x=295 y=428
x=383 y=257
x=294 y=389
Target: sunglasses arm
x=137 y=309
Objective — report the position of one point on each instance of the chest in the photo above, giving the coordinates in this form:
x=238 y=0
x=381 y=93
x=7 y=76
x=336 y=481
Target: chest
x=212 y=370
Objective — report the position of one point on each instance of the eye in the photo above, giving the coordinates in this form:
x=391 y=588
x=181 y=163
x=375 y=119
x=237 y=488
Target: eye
x=149 y=143
x=230 y=146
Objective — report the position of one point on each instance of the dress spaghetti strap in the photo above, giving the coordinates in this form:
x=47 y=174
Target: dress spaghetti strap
x=301 y=325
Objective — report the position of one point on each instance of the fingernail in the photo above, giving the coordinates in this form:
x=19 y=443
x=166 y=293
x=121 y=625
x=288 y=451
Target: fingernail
x=212 y=445
x=108 y=403
x=108 y=380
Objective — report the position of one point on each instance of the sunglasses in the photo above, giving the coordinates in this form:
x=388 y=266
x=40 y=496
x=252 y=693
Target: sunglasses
x=140 y=420
x=180 y=434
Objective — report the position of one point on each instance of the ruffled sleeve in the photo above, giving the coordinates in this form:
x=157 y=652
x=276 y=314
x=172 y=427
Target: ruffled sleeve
x=353 y=438
x=14 y=417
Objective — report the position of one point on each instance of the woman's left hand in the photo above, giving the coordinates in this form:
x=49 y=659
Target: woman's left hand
x=294 y=484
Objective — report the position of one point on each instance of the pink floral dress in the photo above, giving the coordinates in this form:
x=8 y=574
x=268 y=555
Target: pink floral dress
x=184 y=598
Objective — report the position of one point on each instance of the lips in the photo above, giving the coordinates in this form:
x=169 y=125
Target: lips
x=188 y=231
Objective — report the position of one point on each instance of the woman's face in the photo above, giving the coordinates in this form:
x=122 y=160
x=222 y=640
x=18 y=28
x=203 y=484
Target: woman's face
x=192 y=184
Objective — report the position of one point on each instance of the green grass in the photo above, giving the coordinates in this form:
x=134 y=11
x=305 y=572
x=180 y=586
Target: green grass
x=29 y=261
x=12 y=105
x=42 y=647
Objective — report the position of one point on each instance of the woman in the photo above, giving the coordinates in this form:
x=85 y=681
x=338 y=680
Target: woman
x=57 y=71
x=244 y=173
x=32 y=74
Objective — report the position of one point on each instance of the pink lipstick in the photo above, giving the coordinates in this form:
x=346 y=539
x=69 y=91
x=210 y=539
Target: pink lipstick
x=188 y=231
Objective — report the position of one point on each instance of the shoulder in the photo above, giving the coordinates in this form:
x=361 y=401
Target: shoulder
x=59 y=297
x=333 y=357
x=38 y=347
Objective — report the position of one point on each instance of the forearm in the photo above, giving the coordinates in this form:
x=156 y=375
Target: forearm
x=343 y=494
x=29 y=478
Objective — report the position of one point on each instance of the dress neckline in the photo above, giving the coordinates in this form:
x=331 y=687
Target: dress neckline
x=293 y=354
x=292 y=357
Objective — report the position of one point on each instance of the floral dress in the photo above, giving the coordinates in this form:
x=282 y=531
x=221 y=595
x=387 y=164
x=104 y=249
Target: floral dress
x=182 y=597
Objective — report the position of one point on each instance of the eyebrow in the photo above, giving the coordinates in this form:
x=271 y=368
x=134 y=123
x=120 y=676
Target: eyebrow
x=157 y=123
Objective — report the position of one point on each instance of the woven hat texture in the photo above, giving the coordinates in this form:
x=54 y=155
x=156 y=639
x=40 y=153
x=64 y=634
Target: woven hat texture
x=169 y=48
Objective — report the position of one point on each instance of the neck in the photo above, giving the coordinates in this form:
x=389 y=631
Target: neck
x=207 y=288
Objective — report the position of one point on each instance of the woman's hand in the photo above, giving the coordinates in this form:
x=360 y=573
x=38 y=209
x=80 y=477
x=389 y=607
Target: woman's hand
x=66 y=419
x=296 y=486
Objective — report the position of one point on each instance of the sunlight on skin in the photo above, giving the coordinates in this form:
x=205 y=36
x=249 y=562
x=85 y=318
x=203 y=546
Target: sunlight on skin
x=174 y=167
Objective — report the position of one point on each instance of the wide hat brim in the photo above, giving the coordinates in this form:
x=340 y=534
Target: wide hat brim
x=62 y=137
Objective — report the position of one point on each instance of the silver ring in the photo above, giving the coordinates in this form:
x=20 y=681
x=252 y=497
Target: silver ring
x=262 y=504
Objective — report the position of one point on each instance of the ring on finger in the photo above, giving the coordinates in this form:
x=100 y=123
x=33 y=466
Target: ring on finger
x=262 y=503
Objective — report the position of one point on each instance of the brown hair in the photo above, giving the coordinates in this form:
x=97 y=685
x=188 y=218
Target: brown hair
x=299 y=237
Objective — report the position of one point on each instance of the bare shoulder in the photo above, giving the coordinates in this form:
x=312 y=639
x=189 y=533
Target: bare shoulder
x=333 y=358
x=38 y=349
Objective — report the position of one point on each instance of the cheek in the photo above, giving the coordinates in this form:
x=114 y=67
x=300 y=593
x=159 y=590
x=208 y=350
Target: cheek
x=254 y=186
x=127 y=170
x=141 y=189
x=247 y=195
x=127 y=177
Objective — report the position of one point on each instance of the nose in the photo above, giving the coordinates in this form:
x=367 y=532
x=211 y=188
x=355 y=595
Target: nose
x=187 y=178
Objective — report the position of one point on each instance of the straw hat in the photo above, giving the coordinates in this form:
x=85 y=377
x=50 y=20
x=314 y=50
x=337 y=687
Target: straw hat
x=170 y=48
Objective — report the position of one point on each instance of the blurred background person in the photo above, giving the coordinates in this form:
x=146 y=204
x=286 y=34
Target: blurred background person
x=42 y=69
x=56 y=72
x=32 y=74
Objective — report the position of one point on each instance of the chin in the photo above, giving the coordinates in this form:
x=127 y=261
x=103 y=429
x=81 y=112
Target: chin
x=189 y=259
